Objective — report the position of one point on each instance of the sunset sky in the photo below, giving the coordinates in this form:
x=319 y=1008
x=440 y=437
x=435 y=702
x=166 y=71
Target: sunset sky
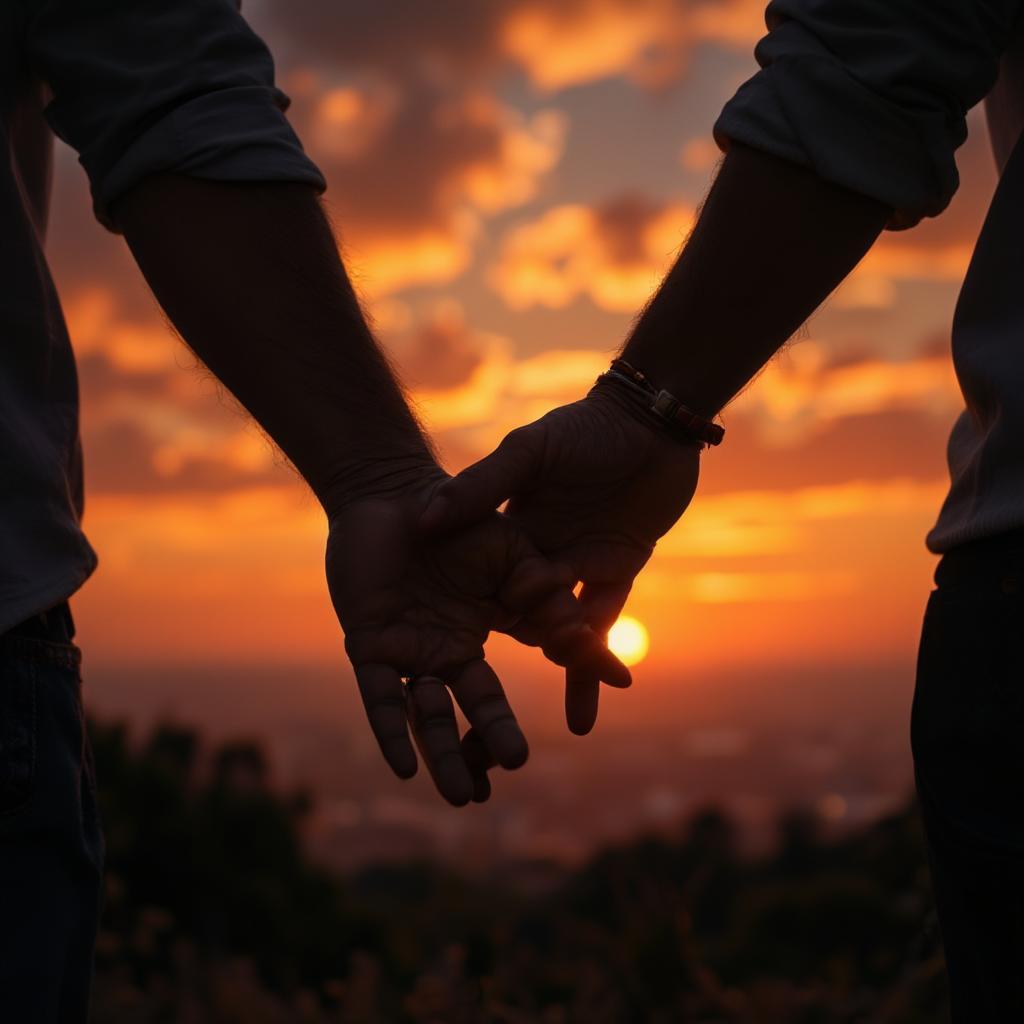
x=509 y=180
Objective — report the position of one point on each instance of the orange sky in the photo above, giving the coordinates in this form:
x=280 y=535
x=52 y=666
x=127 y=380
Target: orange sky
x=509 y=181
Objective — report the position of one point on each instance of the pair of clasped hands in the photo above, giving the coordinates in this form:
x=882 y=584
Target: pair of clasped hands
x=420 y=576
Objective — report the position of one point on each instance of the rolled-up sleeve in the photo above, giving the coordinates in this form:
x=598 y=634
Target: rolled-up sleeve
x=872 y=94
x=147 y=86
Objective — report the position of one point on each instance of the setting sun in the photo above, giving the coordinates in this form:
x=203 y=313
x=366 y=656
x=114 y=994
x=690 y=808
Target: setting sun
x=628 y=640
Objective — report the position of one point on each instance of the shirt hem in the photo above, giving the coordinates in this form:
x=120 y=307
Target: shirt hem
x=47 y=596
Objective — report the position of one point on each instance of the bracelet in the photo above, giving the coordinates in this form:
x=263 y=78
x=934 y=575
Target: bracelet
x=664 y=405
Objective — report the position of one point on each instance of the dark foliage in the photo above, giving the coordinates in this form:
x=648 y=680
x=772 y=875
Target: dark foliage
x=214 y=913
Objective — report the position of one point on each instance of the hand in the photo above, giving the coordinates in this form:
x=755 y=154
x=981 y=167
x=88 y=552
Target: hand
x=595 y=485
x=420 y=609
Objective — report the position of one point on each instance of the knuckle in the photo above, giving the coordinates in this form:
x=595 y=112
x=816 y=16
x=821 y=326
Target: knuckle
x=479 y=704
x=435 y=722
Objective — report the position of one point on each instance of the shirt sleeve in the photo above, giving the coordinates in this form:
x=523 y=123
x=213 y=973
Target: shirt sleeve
x=147 y=86
x=872 y=94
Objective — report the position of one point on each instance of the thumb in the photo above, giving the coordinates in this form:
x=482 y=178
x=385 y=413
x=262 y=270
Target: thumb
x=479 y=489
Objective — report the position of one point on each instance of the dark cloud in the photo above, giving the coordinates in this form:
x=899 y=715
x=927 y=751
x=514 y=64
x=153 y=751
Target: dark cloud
x=650 y=39
x=100 y=379
x=441 y=354
x=410 y=178
x=622 y=223
x=932 y=346
x=390 y=35
x=121 y=458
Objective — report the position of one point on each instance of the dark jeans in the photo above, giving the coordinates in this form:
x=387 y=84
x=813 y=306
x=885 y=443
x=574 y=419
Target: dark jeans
x=967 y=734
x=51 y=848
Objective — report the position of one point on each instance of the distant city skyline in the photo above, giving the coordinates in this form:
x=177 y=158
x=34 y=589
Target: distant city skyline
x=831 y=742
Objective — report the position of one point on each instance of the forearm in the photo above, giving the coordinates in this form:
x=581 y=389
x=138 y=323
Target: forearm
x=772 y=241
x=250 y=276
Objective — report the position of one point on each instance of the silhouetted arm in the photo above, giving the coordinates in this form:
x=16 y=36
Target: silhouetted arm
x=853 y=99
x=771 y=242
x=250 y=276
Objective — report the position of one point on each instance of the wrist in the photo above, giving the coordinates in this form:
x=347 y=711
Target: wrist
x=379 y=477
x=618 y=409
x=685 y=387
x=657 y=408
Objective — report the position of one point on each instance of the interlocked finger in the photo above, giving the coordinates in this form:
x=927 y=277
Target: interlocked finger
x=532 y=580
x=601 y=604
x=482 y=699
x=384 y=699
x=432 y=717
x=569 y=641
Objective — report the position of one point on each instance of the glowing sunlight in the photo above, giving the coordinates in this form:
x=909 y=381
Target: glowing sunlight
x=628 y=640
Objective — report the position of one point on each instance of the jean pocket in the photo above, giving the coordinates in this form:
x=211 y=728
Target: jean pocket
x=18 y=729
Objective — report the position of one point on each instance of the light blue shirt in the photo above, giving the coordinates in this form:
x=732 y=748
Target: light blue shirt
x=873 y=95
x=136 y=88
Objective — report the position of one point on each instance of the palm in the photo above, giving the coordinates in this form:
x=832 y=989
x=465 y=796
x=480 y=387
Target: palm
x=424 y=610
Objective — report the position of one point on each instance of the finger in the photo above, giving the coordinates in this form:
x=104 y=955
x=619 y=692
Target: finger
x=525 y=632
x=586 y=652
x=567 y=640
x=384 y=699
x=601 y=604
x=479 y=693
x=532 y=579
x=478 y=760
x=582 y=693
x=479 y=489
x=432 y=716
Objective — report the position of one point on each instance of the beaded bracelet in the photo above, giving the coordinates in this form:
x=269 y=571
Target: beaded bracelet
x=664 y=405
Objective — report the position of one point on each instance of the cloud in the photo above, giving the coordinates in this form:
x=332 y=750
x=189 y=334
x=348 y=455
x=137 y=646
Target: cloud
x=555 y=43
x=396 y=100
x=456 y=38
x=101 y=381
x=129 y=457
x=569 y=43
x=742 y=523
x=810 y=418
x=98 y=323
x=761 y=587
x=151 y=424
x=877 y=446
x=700 y=154
x=873 y=285
x=615 y=253
x=441 y=353
x=801 y=391
x=414 y=168
x=504 y=392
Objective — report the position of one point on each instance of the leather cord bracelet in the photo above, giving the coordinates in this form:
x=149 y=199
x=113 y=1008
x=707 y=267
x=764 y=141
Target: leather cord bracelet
x=675 y=416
